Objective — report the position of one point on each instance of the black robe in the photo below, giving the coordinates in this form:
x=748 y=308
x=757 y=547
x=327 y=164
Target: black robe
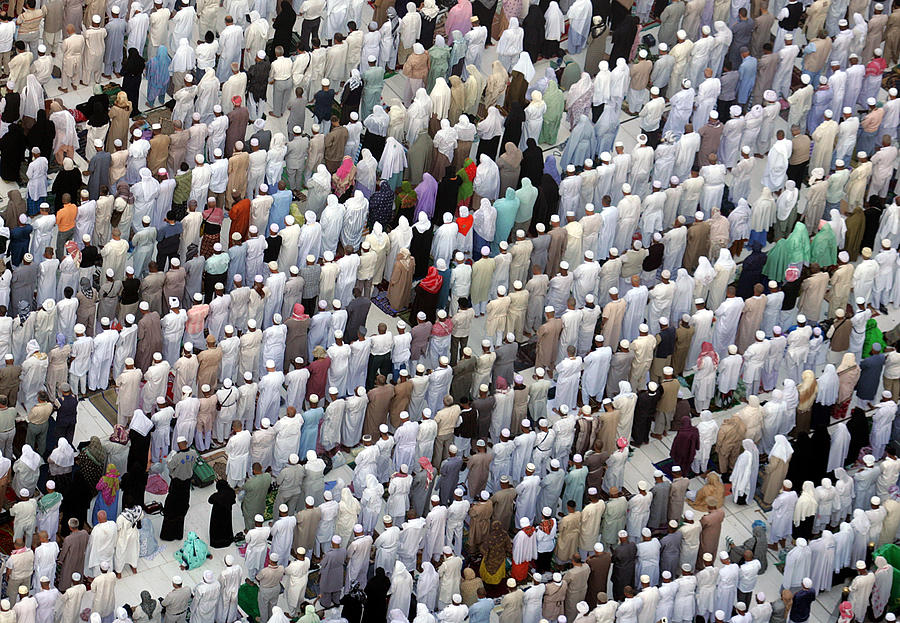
x=623 y=38
x=41 y=134
x=512 y=127
x=12 y=153
x=134 y=481
x=644 y=410
x=624 y=558
x=283 y=25
x=446 y=199
x=13 y=105
x=420 y=249
x=66 y=182
x=176 y=507
x=221 y=534
x=350 y=100
x=533 y=27
x=532 y=165
x=547 y=203
x=751 y=272
x=376 y=598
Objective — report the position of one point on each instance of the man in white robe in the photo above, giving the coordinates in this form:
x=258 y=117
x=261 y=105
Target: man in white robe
x=728 y=316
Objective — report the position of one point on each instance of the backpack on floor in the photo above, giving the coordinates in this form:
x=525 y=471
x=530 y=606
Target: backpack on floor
x=204 y=474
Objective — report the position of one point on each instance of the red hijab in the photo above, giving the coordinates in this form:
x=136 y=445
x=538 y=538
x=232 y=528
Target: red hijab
x=432 y=281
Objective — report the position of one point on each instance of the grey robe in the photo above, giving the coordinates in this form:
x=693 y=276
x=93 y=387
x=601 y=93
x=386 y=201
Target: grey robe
x=98 y=167
x=503 y=364
x=22 y=287
x=659 y=507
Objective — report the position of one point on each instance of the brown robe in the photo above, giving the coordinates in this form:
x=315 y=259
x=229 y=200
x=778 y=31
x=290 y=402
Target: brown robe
x=335 y=141
x=762 y=33
x=400 y=285
x=177 y=150
x=86 y=313
x=598 y=581
x=696 y=245
x=558 y=238
x=159 y=152
x=577 y=580
x=892 y=37
x=208 y=368
x=812 y=293
x=554 y=600
x=71 y=557
x=606 y=437
x=710 y=137
x=548 y=343
x=377 y=409
x=504 y=504
x=840 y=339
x=611 y=326
x=149 y=340
x=479 y=465
x=119 y=122
x=479 y=523
x=399 y=402
x=305 y=530
x=839 y=288
x=728 y=442
x=151 y=291
x=238 y=164
x=710 y=530
x=815 y=61
x=765 y=74
x=683 y=338
x=567 y=536
x=677 y=492
x=9 y=382
x=295 y=344
x=776 y=472
x=237 y=128
x=174 y=286
x=856 y=226
x=751 y=317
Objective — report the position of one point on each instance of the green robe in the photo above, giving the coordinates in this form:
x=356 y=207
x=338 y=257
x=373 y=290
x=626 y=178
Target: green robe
x=798 y=245
x=256 y=488
x=373 y=83
x=776 y=261
x=873 y=335
x=193 y=552
x=440 y=63
x=823 y=250
x=555 y=101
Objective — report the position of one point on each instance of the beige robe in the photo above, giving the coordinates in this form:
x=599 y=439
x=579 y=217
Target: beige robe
x=611 y=328
x=839 y=291
x=567 y=536
x=812 y=293
x=750 y=321
x=776 y=471
x=400 y=285
x=547 y=343
x=479 y=523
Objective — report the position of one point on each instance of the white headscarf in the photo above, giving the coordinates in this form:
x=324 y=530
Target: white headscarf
x=524 y=66
x=806 y=503
x=782 y=449
x=140 y=423
x=827 y=386
x=29 y=457
x=492 y=125
x=64 y=454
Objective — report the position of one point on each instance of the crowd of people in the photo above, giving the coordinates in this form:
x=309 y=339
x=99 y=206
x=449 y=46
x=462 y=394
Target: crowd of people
x=423 y=281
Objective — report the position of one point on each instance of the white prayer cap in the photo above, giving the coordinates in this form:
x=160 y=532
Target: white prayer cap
x=689 y=515
x=564 y=265
x=554 y=218
x=843 y=22
x=645 y=532
x=860 y=564
x=642 y=485
x=642 y=53
x=622 y=534
x=137 y=133
x=706 y=30
x=554 y=463
x=663 y=47
x=181 y=440
x=860 y=300
x=685 y=84
x=176 y=579
x=861 y=154
x=541 y=228
x=875 y=501
x=547 y=310
x=623 y=343
x=723 y=555
x=681 y=34
x=538 y=372
x=643 y=328
x=828 y=114
x=732 y=349
x=892 y=92
x=626 y=188
x=510 y=582
x=598 y=547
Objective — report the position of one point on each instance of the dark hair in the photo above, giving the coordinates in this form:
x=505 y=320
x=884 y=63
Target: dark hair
x=209 y=36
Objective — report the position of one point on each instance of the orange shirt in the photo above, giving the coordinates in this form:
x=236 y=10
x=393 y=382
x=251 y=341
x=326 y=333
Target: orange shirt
x=65 y=218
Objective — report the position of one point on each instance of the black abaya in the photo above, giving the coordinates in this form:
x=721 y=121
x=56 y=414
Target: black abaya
x=623 y=39
x=512 y=126
x=350 y=100
x=644 y=411
x=41 y=134
x=420 y=249
x=424 y=301
x=547 y=203
x=751 y=271
x=488 y=148
x=532 y=165
x=11 y=110
x=446 y=199
x=175 y=510
x=284 y=27
x=221 y=534
x=66 y=182
x=12 y=153
x=132 y=74
x=134 y=481
x=426 y=34
x=376 y=598
x=624 y=557
x=533 y=28
x=858 y=427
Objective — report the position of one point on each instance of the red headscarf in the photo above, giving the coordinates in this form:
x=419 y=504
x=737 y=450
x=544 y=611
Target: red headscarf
x=432 y=281
x=298 y=312
x=706 y=350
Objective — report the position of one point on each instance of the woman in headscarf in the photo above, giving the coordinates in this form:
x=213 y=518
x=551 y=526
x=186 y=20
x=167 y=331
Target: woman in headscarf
x=429 y=13
x=366 y=173
x=309 y=615
x=134 y=481
x=26 y=470
x=132 y=73
x=283 y=24
x=60 y=463
x=427 y=586
x=712 y=489
x=221 y=533
x=686 y=444
x=805 y=512
x=12 y=152
x=426 y=295
x=777 y=468
x=420 y=247
x=400 y=284
x=848 y=374
x=489 y=130
x=377 y=597
x=41 y=134
x=192 y=553
x=158 y=77
x=532 y=165
x=342 y=180
x=745 y=473
x=426 y=194
x=107 y=494
x=623 y=38
x=704 y=385
x=377 y=125
x=351 y=97
x=495 y=550
x=439 y=61
x=91 y=461
x=509 y=164
x=496 y=84
x=806 y=397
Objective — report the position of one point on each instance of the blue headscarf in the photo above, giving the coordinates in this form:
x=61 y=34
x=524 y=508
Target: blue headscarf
x=158 y=68
x=551 y=169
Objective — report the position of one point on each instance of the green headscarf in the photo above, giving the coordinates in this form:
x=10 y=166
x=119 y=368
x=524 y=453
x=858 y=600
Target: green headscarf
x=798 y=246
x=309 y=615
x=823 y=249
x=873 y=336
x=193 y=552
x=556 y=102
x=776 y=261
